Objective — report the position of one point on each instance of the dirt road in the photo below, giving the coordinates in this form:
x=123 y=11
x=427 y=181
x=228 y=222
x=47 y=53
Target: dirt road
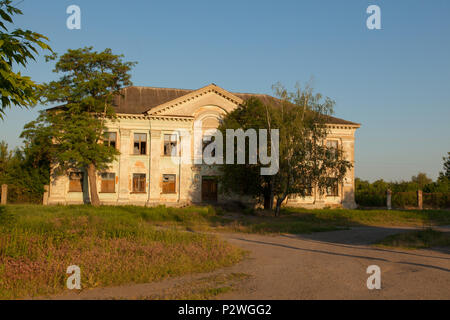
x=326 y=265
x=332 y=265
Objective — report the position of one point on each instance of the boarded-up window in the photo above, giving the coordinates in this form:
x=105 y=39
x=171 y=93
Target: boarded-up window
x=140 y=143
x=108 y=182
x=110 y=139
x=76 y=182
x=170 y=144
x=333 y=188
x=139 y=182
x=168 y=183
x=332 y=146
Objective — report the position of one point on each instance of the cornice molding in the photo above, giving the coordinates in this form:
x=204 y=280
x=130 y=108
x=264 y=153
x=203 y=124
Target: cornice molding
x=152 y=117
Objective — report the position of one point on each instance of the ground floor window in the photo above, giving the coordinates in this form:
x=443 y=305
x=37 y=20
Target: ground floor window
x=168 y=183
x=76 y=182
x=333 y=189
x=139 y=182
x=108 y=182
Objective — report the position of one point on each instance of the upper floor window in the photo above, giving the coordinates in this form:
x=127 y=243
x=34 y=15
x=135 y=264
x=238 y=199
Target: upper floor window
x=76 y=182
x=206 y=141
x=108 y=180
x=110 y=139
x=140 y=143
x=170 y=144
x=332 y=146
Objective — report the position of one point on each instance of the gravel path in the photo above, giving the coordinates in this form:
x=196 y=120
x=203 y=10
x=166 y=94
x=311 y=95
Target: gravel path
x=326 y=265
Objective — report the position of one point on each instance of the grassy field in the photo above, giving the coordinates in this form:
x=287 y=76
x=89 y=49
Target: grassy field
x=418 y=239
x=128 y=244
x=112 y=246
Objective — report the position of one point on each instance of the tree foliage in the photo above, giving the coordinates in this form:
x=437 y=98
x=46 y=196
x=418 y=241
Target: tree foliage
x=305 y=160
x=88 y=82
x=25 y=170
x=446 y=173
x=17 y=47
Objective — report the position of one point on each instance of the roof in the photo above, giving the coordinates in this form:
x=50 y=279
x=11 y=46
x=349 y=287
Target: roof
x=139 y=100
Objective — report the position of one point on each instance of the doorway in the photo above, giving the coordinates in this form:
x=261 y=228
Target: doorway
x=209 y=189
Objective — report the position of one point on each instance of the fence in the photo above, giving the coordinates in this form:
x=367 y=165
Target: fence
x=4 y=194
x=404 y=200
x=13 y=194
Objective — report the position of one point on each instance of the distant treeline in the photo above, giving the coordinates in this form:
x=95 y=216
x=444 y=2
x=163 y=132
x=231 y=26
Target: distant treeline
x=436 y=194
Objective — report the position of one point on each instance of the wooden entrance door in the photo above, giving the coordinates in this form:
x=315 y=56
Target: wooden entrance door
x=209 y=189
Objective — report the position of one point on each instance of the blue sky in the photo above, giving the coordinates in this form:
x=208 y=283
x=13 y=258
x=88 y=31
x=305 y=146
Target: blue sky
x=394 y=81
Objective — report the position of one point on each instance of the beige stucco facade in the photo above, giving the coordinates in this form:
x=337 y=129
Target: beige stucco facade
x=177 y=116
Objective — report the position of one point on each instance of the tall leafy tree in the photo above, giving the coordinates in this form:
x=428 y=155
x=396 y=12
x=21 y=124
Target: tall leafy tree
x=88 y=82
x=17 y=47
x=421 y=180
x=306 y=162
x=446 y=173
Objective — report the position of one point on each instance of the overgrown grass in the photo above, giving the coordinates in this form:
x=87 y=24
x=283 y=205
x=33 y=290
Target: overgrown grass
x=128 y=244
x=417 y=239
x=111 y=245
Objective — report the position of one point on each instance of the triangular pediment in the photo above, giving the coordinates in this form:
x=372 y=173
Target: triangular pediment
x=188 y=103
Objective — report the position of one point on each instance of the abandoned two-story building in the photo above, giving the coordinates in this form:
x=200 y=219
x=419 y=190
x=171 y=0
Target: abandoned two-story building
x=149 y=170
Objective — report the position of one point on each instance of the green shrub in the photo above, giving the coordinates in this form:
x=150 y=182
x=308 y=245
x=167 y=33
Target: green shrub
x=369 y=199
x=436 y=200
x=404 y=199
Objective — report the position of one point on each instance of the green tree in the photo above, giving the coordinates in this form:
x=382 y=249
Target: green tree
x=421 y=180
x=5 y=156
x=446 y=172
x=16 y=48
x=25 y=170
x=89 y=80
x=306 y=162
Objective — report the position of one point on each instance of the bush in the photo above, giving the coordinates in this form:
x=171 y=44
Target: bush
x=436 y=200
x=404 y=199
x=368 y=199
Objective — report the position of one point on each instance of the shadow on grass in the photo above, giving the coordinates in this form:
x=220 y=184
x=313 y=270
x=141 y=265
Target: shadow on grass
x=358 y=229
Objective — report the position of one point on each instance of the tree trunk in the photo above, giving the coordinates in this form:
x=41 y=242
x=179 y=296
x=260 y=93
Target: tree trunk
x=271 y=196
x=278 y=207
x=266 y=202
x=92 y=175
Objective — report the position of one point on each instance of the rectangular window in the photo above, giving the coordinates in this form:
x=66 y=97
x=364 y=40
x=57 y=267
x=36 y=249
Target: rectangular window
x=168 y=183
x=110 y=139
x=76 y=182
x=333 y=189
x=309 y=191
x=140 y=143
x=206 y=141
x=170 y=145
x=139 y=182
x=108 y=180
x=332 y=146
